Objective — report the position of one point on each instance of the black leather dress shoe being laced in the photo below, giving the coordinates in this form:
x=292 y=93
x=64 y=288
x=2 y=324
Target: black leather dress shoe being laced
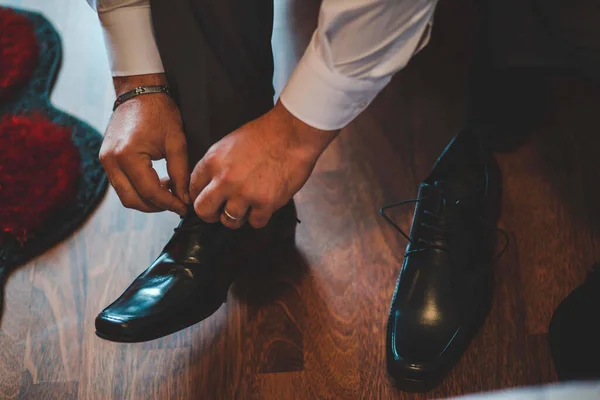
x=444 y=290
x=190 y=279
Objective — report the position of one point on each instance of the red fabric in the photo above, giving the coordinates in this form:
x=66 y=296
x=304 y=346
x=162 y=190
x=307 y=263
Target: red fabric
x=39 y=170
x=19 y=52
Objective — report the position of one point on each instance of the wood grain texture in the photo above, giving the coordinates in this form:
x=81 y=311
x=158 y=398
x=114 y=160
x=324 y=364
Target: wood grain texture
x=310 y=324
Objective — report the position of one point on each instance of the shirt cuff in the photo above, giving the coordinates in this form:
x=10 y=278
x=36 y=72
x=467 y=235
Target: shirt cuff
x=129 y=39
x=325 y=99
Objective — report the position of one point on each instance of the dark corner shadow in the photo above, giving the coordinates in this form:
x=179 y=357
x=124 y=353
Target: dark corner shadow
x=270 y=277
x=569 y=145
x=556 y=111
x=508 y=105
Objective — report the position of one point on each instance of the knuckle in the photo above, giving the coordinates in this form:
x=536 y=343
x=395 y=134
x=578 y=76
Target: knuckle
x=226 y=179
x=151 y=197
x=119 y=151
x=214 y=163
x=202 y=213
x=263 y=200
x=128 y=202
x=120 y=154
x=207 y=201
x=179 y=146
x=210 y=158
x=104 y=156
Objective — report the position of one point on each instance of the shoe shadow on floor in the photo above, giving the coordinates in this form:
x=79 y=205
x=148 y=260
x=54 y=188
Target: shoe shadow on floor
x=270 y=277
x=507 y=105
x=568 y=147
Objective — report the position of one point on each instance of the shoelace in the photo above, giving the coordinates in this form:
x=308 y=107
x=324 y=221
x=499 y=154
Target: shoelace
x=442 y=231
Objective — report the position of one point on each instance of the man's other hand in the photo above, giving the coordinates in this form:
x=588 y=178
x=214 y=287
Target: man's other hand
x=143 y=129
x=256 y=169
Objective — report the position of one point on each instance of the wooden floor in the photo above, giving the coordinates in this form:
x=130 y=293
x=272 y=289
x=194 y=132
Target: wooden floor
x=315 y=331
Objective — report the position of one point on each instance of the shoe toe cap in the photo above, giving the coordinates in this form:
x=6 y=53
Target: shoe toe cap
x=117 y=327
x=418 y=347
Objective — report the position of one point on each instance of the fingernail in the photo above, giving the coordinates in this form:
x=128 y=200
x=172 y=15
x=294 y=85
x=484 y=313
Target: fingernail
x=187 y=199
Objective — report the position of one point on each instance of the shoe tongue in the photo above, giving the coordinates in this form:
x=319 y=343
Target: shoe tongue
x=437 y=196
x=453 y=191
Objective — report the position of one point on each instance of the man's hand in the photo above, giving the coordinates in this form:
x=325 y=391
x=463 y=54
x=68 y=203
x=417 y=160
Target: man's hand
x=146 y=128
x=256 y=169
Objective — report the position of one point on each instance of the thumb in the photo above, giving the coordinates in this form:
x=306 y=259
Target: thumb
x=177 y=166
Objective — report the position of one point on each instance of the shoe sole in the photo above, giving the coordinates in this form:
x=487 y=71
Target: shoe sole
x=410 y=385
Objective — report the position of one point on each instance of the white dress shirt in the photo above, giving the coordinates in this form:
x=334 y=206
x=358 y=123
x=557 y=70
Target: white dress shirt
x=357 y=47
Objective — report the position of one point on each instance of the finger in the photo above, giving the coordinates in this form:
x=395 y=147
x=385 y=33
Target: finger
x=259 y=217
x=208 y=203
x=128 y=195
x=234 y=213
x=178 y=168
x=199 y=179
x=146 y=182
x=166 y=182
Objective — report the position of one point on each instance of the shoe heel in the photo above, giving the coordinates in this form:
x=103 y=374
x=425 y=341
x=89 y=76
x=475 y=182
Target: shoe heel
x=271 y=271
x=286 y=241
x=280 y=248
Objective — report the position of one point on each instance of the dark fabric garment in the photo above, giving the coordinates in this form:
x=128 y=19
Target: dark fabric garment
x=558 y=34
x=218 y=59
x=521 y=46
x=219 y=63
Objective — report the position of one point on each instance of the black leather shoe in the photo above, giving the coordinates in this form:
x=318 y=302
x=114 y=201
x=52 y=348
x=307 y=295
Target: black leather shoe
x=444 y=290
x=574 y=333
x=190 y=279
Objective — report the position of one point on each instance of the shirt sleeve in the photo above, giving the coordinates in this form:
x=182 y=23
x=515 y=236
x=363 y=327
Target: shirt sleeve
x=129 y=36
x=357 y=47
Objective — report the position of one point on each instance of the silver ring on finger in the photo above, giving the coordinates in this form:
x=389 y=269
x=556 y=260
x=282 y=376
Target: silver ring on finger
x=230 y=217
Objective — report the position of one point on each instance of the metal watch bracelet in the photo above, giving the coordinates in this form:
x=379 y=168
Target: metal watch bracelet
x=139 y=91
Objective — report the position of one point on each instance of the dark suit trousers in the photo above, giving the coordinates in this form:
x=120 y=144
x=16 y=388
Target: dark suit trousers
x=553 y=34
x=219 y=64
x=218 y=59
x=522 y=46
